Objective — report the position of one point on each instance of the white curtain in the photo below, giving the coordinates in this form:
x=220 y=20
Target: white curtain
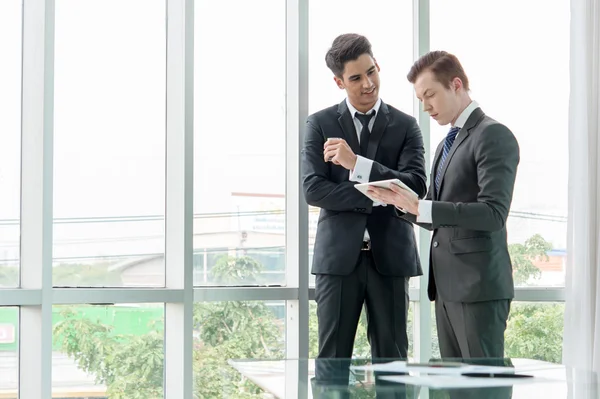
x=581 y=348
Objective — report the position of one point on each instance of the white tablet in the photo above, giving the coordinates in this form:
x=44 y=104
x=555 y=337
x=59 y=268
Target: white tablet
x=363 y=187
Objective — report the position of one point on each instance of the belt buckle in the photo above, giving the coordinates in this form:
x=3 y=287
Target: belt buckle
x=366 y=246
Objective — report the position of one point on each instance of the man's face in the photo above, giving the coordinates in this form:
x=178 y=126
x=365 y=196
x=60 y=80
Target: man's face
x=361 y=82
x=441 y=103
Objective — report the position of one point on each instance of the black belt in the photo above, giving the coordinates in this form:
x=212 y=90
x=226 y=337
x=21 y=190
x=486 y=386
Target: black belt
x=366 y=246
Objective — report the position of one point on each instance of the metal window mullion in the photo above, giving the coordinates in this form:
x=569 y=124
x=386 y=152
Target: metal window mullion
x=20 y=297
x=17 y=296
x=539 y=294
x=422 y=333
x=63 y=296
x=219 y=294
x=296 y=208
x=179 y=200
x=35 y=332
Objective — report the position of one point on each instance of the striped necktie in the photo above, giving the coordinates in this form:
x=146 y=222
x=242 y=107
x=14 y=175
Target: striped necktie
x=447 y=145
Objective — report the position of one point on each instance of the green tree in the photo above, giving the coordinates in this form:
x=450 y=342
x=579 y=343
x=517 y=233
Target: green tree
x=230 y=270
x=233 y=330
x=132 y=366
x=523 y=255
x=535 y=331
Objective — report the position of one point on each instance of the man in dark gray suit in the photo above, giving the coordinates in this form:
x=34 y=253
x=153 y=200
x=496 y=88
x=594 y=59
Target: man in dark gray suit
x=362 y=254
x=467 y=204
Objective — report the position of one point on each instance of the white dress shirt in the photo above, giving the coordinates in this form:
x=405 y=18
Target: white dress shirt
x=362 y=169
x=425 y=205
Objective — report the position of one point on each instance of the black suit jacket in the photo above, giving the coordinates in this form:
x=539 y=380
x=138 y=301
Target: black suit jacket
x=396 y=147
x=469 y=260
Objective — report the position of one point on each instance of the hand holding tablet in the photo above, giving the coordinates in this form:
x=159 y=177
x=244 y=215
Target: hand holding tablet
x=363 y=187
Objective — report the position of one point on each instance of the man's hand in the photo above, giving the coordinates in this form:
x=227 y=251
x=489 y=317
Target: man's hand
x=339 y=152
x=396 y=196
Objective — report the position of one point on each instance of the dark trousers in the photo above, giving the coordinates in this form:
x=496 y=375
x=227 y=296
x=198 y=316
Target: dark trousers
x=471 y=330
x=340 y=300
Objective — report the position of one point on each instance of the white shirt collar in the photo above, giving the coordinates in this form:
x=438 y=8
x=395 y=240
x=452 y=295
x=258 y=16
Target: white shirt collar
x=353 y=110
x=462 y=118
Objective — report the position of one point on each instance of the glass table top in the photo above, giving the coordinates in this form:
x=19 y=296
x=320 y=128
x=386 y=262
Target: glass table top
x=395 y=378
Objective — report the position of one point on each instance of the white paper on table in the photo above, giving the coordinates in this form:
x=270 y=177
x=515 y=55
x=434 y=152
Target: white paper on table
x=454 y=381
x=391 y=367
x=467 y=368
x=403 y=367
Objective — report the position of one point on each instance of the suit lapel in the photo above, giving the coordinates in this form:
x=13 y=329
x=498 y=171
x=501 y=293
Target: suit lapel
x=472 y=121
x=381 y=121
x=462 y=136
x=436 y=161
x=347 y=124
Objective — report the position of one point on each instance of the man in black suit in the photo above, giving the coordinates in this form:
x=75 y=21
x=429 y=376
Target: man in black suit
x=472 y=182
x=362 y=254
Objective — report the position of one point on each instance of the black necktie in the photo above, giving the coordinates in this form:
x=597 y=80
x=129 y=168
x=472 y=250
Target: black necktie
x=365 y=132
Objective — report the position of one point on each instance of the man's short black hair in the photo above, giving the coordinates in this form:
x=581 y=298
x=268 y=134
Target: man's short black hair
x=346 y=47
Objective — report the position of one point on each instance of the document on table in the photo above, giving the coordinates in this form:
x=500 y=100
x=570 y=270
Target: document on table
x=433 y=368
x=458 y=381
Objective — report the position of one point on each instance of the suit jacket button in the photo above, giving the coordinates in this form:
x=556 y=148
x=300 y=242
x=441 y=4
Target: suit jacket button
x=435 y=244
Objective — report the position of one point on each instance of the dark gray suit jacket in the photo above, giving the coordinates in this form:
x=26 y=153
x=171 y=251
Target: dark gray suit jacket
x=469 y=259
x=396 y=147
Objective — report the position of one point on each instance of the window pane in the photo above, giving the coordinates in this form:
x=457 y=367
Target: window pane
x=535 y=331
x=9 y=352
x=239 y=138
x=108 y=351
x=362 y=348
x=109 y=139
x=390 y=35
x=10 y=150
x=234 y=330
x=520 y=77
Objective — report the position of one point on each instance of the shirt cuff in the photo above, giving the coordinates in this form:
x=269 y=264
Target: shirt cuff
x=424 y=212
x=362 y=170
